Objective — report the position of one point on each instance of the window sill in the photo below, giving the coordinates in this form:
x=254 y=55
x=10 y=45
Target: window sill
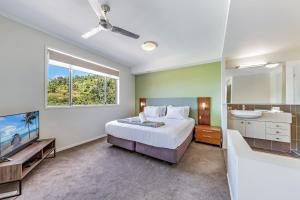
x=80 y=106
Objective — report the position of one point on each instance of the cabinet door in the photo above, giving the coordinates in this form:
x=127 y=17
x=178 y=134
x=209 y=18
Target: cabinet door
x=255 y=129
x=237 y=124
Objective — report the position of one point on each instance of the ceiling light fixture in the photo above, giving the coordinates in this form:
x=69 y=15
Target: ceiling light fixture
x=149 y=46
x=251 y=65
x=272 y=65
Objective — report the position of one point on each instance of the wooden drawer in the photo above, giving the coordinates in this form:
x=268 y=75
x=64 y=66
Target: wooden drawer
x=273 y=131
x=208 y=140
x=279 y=138
x=284 y=126
x=208 y=135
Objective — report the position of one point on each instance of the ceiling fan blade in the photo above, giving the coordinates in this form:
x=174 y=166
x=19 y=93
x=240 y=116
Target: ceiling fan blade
x=97 y=9
x=92 y=32
x=124 y=32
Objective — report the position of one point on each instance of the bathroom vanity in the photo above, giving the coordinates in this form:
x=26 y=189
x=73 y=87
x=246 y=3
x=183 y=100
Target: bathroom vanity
x=262 y=126
x=255 y=88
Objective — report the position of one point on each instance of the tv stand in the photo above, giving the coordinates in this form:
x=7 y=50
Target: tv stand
x=23 y=162
x=5 y=159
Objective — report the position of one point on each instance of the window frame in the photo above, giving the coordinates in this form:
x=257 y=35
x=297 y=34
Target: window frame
x=70 y=86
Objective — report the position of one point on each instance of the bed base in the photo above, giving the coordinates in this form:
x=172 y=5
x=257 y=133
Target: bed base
x=169 y=155
x=126 y=144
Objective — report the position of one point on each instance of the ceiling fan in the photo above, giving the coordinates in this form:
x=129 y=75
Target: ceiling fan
x=104 y=25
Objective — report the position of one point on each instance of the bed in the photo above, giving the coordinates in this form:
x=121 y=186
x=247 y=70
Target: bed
x=167 y=143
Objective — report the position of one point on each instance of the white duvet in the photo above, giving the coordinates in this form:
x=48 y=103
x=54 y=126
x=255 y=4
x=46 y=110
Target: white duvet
x=170 y=136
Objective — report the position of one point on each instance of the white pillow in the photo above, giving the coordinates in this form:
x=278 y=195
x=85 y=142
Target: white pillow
x=178 y=112
x=163 y=110
x=186 y=111
x=152 y=111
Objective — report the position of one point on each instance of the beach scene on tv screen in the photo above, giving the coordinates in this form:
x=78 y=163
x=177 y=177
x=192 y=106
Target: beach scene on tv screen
x=16 y=130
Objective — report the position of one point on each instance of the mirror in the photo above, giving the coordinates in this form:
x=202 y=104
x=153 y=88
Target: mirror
x=255 y=85
x=276 y=84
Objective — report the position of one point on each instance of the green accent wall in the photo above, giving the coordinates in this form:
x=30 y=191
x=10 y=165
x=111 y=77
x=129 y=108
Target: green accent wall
x=194 y=81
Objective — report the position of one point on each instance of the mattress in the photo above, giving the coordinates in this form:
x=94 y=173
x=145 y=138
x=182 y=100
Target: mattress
x=170 y=136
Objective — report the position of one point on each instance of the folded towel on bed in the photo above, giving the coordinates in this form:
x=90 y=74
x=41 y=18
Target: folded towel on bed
x=137 y=121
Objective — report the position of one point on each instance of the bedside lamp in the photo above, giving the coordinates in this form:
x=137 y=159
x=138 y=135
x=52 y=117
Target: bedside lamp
x=204 y=111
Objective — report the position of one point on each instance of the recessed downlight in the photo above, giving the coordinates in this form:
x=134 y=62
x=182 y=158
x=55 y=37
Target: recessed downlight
x=149 y=45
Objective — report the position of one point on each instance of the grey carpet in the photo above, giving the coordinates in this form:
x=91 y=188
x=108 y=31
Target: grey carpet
x=99 y=171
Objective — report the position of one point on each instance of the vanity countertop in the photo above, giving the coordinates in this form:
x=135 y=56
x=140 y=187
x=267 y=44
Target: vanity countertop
x=269 y=116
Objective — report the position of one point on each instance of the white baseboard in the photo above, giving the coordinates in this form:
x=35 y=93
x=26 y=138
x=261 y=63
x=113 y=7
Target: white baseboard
x=79 y=143
x=230 y=192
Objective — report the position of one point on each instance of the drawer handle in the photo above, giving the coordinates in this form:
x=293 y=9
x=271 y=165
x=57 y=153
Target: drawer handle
x=207 y=131
x=277 y=132
x=207 y=136
x=277 y=138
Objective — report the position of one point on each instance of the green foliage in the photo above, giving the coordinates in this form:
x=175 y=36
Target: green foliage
x=58 y=91
x=111 y=85
x=86 y=90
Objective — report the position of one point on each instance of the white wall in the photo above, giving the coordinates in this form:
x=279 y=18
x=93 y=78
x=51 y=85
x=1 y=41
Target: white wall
x=258 y=175
x=22 y=86
x=293 y=83
x=223 y=103
x=276 y=86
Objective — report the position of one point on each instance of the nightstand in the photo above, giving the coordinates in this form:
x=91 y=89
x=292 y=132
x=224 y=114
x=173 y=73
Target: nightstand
x=208 y=134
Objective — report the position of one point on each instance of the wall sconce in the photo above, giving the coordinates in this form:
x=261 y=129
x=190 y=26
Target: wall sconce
x=204 y=111
x=203 y=106
x=142 y=104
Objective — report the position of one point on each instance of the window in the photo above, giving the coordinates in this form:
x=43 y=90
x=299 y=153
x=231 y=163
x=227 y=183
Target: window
x=74 y=85
x=58 y=85
x=111 y=89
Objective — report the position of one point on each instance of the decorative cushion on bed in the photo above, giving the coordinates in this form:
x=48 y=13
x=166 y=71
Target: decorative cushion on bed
x=178 y=112
x=152 y=111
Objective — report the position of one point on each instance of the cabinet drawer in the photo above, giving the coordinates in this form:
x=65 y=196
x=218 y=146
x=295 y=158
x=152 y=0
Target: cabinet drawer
x=284 y=126
x=208 y=134
x=279 y=138
x=276 y=131
x=208 y=139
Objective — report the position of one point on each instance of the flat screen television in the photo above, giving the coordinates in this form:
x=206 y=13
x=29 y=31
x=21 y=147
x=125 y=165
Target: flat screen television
x=18 y=131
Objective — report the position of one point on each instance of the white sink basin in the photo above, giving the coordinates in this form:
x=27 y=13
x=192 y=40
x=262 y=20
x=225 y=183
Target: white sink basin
x=246 y=114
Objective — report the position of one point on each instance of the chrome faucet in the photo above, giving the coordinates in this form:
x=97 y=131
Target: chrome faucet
x=244 y=107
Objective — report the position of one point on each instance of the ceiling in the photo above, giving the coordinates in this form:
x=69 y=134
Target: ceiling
x=262 y=27
x=187 y=32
